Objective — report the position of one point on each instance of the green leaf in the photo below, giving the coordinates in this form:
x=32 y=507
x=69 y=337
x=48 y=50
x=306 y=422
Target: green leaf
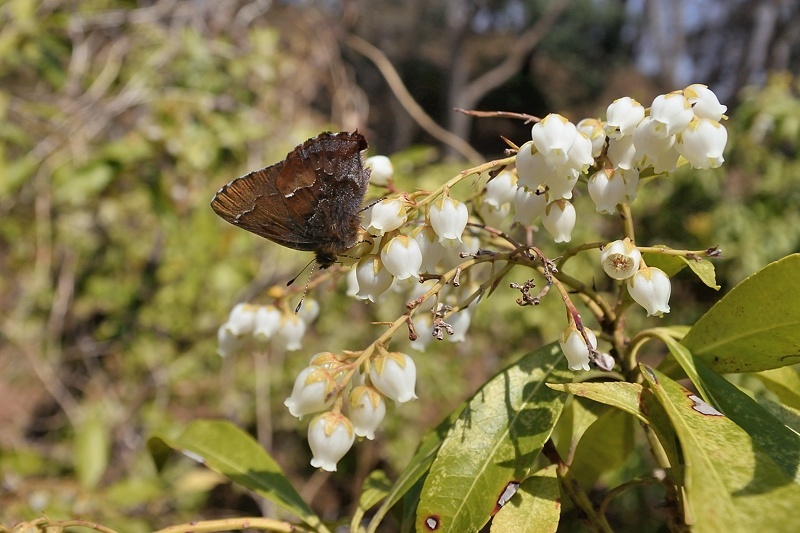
x=374 y=489
x=704 y=269
x=92 y=446
x=495 y=441
x=619 y=394
x=534 y=508
x=578 y=415
x=730 y=483
x=416 y=469
x=605 y=446
x=670 y=264
x=756 y=326
x=770 y=434
x=784 y=382
x=228 y=450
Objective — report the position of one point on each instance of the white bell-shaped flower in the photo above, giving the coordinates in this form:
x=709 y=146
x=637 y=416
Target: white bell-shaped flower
x=290 y=333
x=429 y=247
x=559 y=220
x=702 y=143
x=561 y=185
x=650 y=287
x=621 y=152
x=382 y=169
x=242 y=319
x=553 y=137
x=227 y=341
x=532 y=167
x=705 y=103
x=654 y=150
x=607 y=190
x=310 y=393
x=267 y=322
x=385 y=216
x=579 y=156
x=672 y=113
x=492 y=216
x=448 y=219
x=594 y=130
x=395 y=376
x=528 y=205
x=620 y=259
x=402 y=257
x=574 y=347
x=373 y=278
x=631 y=178
x=309 y=311
x=622 y=116
x=352 y=282
x=330 y=437
x=500 y=189
x=366 y=409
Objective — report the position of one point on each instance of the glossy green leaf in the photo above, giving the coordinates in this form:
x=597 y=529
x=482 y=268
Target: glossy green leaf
x=788 y=416
x=756 y=326
x=228 y=450
x=619 y=394
x=534 y=508
x=730 y=483
x=770 y=434
x=495 y=441
x=784 y=382
x=92 y=448
x=416 y=469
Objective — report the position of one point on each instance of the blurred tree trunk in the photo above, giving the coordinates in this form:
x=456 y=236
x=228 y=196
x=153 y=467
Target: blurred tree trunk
x=465 y=94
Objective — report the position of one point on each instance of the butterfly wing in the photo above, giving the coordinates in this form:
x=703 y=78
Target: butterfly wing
x=310 y=201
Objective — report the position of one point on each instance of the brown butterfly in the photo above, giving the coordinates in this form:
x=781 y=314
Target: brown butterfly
x=310 y=201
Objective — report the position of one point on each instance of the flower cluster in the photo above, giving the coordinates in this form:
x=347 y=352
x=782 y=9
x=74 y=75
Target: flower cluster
x=353 y=398
x=265 y=324
x=434 y=248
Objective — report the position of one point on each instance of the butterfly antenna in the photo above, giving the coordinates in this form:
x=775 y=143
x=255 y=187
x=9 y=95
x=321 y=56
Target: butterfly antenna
x=305 y=289
x=298 y=275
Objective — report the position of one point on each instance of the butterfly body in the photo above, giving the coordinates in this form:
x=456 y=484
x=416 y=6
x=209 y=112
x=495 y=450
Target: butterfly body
x=310 y=201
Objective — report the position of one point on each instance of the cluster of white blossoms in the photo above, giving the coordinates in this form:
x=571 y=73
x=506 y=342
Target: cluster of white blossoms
x=265 y=324
x=351 y=409
x=418 y=243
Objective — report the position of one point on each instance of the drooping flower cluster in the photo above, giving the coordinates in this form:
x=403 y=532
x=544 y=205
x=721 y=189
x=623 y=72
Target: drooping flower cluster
x=265 y=324
x=352 y=408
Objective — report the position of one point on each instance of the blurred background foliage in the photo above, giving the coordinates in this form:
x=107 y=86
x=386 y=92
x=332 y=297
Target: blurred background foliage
x=120 y=119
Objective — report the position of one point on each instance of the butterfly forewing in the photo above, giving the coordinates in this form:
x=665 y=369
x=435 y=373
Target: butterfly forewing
x=310 y=201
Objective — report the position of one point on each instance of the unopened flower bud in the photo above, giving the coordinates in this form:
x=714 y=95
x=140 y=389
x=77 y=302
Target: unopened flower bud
x=290 y=333
x=672 y=113
x=622 y=116
x=528 y=205
x=242 y=319
x=574 y=347
x=500 y=189
x=702 y=143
